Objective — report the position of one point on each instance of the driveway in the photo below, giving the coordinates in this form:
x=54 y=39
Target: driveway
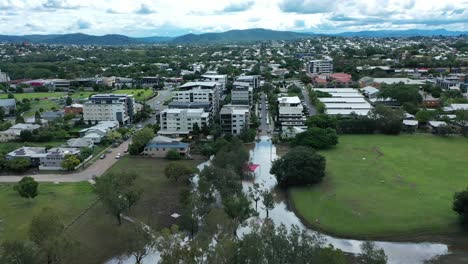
x=96 y=169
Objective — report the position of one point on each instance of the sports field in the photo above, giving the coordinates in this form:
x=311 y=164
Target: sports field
x=384 y=186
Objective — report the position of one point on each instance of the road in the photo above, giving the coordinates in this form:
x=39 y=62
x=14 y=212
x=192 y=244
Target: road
x=162 y=96
x=312 y=110
x=264 y=113
x=96 y=169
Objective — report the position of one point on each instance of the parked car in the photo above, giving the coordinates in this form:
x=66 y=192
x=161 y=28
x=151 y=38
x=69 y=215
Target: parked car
x=118 y=156
x=126 y=150
x=103 y=156
x=109 y=151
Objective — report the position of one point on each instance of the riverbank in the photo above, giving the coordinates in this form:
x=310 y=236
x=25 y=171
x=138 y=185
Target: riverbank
x=396 y=188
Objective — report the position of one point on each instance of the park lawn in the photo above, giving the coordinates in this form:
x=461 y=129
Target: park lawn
x=45 y=105
x=16 y=213
x=387 y=186
x=97 y=230
x=82 y=95
x=139 y=94
x=21 y=96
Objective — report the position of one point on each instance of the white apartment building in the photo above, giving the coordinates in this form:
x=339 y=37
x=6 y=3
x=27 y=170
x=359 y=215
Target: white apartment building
x=4 y=77
x=234 y=118
x=290 y=112
x=200 y=92
x=242 y=94
x=253 y=80
x=109 y=107
x=221 y=79
x=320 y=66
x=178 y=122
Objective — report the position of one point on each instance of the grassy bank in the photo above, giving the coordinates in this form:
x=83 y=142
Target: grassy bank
x=382 y=186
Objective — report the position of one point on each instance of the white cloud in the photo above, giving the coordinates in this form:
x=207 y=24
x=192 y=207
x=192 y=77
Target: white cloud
x=174 y=17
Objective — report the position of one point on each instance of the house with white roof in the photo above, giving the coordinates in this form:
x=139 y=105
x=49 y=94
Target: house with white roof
x=14 y=132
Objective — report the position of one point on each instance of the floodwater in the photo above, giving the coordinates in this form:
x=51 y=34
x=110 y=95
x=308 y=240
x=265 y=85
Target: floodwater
x=263 y=154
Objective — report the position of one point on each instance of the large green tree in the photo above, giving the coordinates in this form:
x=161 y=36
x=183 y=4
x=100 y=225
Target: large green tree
x=299 y=167
x=27 y=187
x=177 y=170
x=140 y=139
x=317 y=138
x=460 y=205
x=18 y=252
x=117 y=192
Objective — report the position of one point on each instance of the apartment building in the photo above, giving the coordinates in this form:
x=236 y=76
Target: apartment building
x=242 y=94
x=290 y=112
x=179 y=122
x=253 y=80
x=109 y=107
x=324 y=66
x=234 y=118
x=199 y=92
x=221 y=79
x=4 y=78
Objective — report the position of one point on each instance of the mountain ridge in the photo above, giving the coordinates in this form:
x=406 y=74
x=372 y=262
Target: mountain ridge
x=231 y=36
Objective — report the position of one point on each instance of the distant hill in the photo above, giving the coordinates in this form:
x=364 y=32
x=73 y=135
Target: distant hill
x=247 y=35
x=232 y=36
x=81 y=39
x=402 y=33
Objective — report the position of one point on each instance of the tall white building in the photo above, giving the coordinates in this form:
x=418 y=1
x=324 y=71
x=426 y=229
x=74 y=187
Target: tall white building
x=4 y=77
x=109 y=107
x=221 y=79
x=242 y=94
x=234 y=118
x=253 y=80
x=177 y=122
x=320 y=66
x=200 y=92
x=290 y=112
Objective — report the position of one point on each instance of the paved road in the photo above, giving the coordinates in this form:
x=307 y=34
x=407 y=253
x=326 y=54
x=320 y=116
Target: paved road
x=310 y=107
x=96 y=169
x=163 y=95
x=264 y=113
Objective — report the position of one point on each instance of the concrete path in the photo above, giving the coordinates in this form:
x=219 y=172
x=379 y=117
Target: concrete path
x=96 y=169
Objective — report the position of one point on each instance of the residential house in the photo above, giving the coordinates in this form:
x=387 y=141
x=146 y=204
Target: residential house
x=74 y=109
x=9 y=106
x=99 y=131
x=33 y=154
x=80 y=143
x=160 y=145
x=14 y=132
x=55 y=156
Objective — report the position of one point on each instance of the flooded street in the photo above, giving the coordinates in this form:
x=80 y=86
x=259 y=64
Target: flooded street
x=263 y=153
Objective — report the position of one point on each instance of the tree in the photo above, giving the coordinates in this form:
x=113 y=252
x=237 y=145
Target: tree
x=137 y=241
x=247 y=134
x=177 y=170
x=238 y=209
x=2 y=114
x=462 y=119
x=255 y=193
x=371 y=254
x=27 y=187
x=70 y=162
x=140 y=139
x=18 y=164
x=173 y=154
x=322 y=121
x=85 y=153
x=18 y=252
x=19 y=119
x=268 y=201
x=317 y=138
x=47 y=232
x=389 y=121
x=196 y=129
x=424 y=116
x=117 y=192
x=37 y=118
x=460 y=204
x=68 y=101
x=114 y=136
x=444 y=130
x=300 y=166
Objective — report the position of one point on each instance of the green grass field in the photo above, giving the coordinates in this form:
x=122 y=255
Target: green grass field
x=16 y=213
x=387 y=186
x=21 y=96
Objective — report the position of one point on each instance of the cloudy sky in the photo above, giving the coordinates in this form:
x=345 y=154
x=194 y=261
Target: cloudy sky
x=175 y=17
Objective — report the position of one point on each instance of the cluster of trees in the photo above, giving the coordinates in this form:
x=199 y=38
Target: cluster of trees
x=15 y=165
x=298 y=167
x=401 y=93
x=317 y=138
x=460 y=205
x=47 y=242
x=140 y=139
